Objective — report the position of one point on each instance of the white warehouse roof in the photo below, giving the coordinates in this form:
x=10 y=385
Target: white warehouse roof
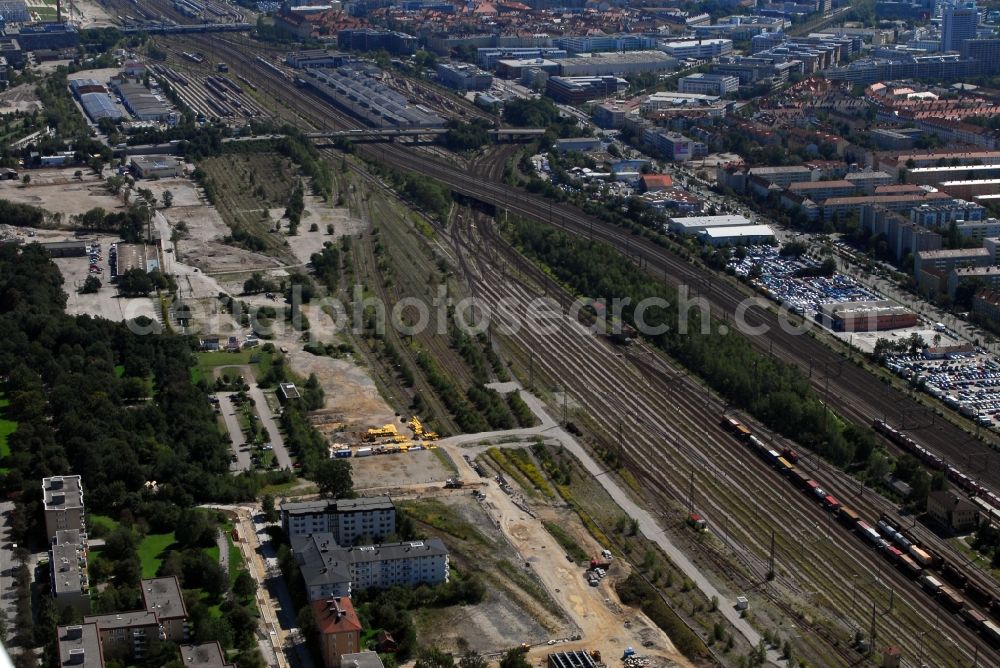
x=737 y=232
x=695 y=224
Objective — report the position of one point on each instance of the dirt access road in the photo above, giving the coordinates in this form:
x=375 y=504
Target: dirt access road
x=596 y=611
x=648 y=525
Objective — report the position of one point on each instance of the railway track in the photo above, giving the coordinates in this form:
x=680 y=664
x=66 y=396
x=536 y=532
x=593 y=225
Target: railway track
x=668 y=437
x=854 y=391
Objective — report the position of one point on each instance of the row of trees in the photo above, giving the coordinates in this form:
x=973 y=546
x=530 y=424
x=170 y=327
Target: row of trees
x=21 y=215
x=72 y=406
x=130 y=224
x=776 y=393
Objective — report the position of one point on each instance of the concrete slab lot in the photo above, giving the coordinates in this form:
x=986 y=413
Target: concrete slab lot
x=136 y=256
x=105 y=303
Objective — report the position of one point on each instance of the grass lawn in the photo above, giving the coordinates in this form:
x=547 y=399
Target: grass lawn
x=152 y=549
x=287 y=487
x=235 y=560
x=207 y=362
x=7 y=427
x=102 y=521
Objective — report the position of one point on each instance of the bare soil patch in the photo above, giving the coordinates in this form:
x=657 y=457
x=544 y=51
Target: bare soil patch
x=19 y=98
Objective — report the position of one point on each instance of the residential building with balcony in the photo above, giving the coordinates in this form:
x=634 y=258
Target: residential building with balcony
x=819 y=191
x=866 y=182
x=164 y=597
x=79 y=645
x=330 y=571
x=125 y=636
x=346 y=519
x=68 y=570
x=941 y=215
x=62 y=497
x=988 y=277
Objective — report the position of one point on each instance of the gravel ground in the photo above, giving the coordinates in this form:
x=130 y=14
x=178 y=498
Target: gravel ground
x=405 y=468
x=58 y=191
x=503 y=620
x=19 y=98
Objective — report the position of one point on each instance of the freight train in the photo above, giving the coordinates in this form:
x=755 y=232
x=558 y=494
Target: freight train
x=986 y=499
x=893 y=542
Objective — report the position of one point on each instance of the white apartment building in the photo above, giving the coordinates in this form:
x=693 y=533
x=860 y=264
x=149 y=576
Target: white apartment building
x=346 y=519
x=62 y=497
x=329 y=570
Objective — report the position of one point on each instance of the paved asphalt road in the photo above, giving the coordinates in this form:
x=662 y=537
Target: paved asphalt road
x=7 y=601
x=228 y=410
x=267 y=421
x=266 y=418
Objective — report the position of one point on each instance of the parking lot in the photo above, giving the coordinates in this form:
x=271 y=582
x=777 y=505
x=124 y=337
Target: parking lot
x=775 y=276
x=966 y=381
x=104 y=303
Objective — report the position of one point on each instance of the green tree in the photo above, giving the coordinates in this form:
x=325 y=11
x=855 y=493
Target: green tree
x=90 y=285
x=251 y=658
x=168 y=199
x=195 y=527
x=472 y=660
x=515 y=658
x=267 y=506
x=244 y=586
x=434 y=658
x=135 y=282
x=333 y=478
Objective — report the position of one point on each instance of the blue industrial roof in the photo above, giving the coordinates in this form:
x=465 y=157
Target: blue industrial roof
x=99 y=105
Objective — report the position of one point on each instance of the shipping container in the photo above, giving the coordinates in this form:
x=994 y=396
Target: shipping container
x=785 y=466
x=772 y=456
x=867 y=533
x=757 y=445
x=363 y=452
x=893 y=553
x=909 y=566
x=344 y=452
x=848 y=516
x=991 y=632
x=832 y=504
x=930 y=584
x=973 y=617
x=921 y=556
x=800 y=479
x=950 y=599
x=736 y=428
